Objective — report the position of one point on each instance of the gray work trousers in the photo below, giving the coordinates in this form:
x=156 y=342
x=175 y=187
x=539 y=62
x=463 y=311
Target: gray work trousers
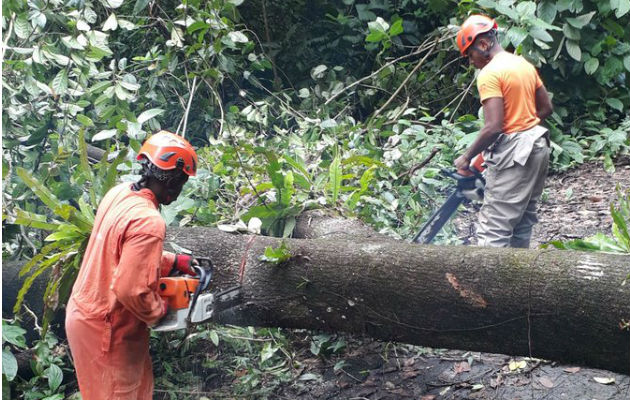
x=517 y=166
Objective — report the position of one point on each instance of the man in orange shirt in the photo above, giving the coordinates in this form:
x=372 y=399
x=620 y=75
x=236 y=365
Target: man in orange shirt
x=114 y=299
x=515 y=147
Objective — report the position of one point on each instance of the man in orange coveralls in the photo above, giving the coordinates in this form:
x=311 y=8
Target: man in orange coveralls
x=515 y=147
x=114 y=299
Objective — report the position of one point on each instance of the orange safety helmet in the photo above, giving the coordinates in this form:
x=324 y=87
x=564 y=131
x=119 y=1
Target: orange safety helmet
x=471 y=28
x=169 y=151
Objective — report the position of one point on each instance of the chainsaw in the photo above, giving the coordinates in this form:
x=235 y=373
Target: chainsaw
x=187 y=299
x=467 y=188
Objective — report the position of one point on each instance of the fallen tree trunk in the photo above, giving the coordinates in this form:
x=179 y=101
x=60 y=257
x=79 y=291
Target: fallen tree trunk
x=559 y=305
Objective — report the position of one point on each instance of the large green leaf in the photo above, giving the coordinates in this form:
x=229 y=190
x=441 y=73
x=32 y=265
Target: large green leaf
x=13 y=334
x=620 y=228
x=591 y=66
x=9 y=364
x=573 y=48
x=334 y=176
x=615 y=103
x=59 y=84
x=547 y=11
x=148 y=114
x=41 y=191
x=86 y=170
x=299 y=166
x=517 y=34
x=33 y=220
x=621 y=7
x=581 y=21
x=28 y=282
x=55 y=376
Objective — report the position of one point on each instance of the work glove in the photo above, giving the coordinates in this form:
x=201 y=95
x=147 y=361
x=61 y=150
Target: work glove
x=184 y=263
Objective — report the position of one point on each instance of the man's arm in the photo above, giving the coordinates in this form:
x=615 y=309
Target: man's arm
x=493 y=124
x=135 y=282
x=544 y=108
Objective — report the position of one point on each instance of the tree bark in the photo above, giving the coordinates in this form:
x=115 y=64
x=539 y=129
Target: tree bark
x=559 y=305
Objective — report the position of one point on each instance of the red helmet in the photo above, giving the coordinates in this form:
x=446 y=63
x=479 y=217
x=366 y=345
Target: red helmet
x=169 y=151
x=471 y=28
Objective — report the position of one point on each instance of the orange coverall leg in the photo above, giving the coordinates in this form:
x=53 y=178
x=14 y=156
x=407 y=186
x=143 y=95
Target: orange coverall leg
x=110 y=366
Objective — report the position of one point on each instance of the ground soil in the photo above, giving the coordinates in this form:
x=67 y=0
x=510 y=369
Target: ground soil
x=575 y=205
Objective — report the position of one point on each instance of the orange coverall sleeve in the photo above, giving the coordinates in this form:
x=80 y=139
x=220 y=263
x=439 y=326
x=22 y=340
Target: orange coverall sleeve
x=137 y=274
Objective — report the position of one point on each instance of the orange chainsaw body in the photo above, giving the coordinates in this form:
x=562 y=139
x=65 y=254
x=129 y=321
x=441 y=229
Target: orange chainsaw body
x=176 y=291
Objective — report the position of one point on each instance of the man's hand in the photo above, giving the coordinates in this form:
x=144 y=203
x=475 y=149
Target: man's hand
x=462 y=163
x=184 y=263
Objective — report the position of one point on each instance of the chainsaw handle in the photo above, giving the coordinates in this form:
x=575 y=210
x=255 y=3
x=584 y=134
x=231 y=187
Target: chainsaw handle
x=204 y=271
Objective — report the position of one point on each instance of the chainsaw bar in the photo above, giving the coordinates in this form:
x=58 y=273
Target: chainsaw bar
x=467 y=188
x=228 y=298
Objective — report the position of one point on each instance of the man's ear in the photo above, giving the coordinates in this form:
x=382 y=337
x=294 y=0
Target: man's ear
x=485 y=44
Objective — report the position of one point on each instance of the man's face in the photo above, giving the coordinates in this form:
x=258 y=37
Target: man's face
x=475 y=53
x=171 y=189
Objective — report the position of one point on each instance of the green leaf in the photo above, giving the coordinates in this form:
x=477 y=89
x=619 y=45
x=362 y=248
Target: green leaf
x=139 y=6
x=287 y=191
x=540 y=34
x=5 y=169
x=59 y=84
x=573 y=48
x=289 y=226
x=615 y=103
x=114 y=3
x=581 y=21
x=516 y=34
x=104 y=135
x=571 y=32
x=214 y=337
x=58 y=396
x=84 y=120
x=267 y=352
x=626 y=63
x=547 y=11
x=276 y=256
x=9 y=364
x=621 y=7
x=33 y=220
x=591 y=66
x=28 y=282
x=299 y=166
x=148 y=114
x=99 y=87
x=609 y=165
x=112 y=171
x=13 y=334
x=111 y=24
x=55 y=376
x=334 y=176
x=22 y=27
x=378 y=25
x=526 y=8
x=40 y=190
x=397 y=28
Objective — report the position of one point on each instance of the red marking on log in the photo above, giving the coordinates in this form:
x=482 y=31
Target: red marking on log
x=472 y=298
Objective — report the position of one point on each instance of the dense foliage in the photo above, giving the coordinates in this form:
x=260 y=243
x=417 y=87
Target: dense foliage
x=352 y=105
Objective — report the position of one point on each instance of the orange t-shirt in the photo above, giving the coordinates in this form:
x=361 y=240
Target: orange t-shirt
x=515 y=80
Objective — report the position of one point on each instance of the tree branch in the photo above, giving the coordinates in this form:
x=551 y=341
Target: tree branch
x=415 y=69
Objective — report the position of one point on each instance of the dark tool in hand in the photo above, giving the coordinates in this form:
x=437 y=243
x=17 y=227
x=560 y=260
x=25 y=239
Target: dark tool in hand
x=468 y=188
x=188 y=303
